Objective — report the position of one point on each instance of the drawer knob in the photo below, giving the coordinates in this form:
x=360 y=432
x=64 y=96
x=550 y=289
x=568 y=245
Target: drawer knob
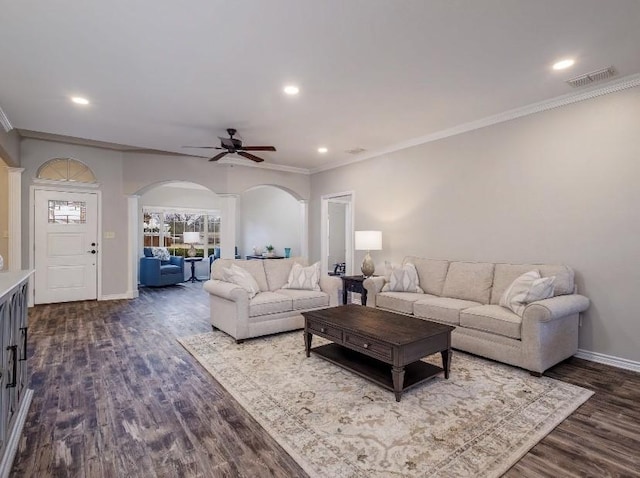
x=366 y=346
x=323 y=330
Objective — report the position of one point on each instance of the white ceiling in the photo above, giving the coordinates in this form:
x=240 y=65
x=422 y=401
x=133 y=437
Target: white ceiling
x=372 y=73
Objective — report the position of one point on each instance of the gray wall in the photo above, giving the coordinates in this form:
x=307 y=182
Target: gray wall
x=337 y=231
x=269 y=216
x=4 y=213
x=124 y=174
x=107 y=166
x=9 y=147
x=169 y=196
x=555 y=187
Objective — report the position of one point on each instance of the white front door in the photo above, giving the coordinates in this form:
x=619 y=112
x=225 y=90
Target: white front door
x=66 y=246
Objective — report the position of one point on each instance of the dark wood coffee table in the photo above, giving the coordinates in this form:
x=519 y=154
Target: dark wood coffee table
x=366 y=341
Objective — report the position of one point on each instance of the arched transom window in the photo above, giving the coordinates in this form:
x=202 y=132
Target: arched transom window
x=66 y=169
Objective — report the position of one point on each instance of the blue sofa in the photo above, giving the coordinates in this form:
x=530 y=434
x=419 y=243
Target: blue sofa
x=155 y=273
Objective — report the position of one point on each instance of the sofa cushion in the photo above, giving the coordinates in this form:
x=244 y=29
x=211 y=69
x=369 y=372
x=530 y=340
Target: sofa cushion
x=398 y=301
x=529 y=287
x=170 y=269
x=306 y=299
x=255 y=268
x=161 y=253
x=241 y=277
x=402 y=278
x=431 y=273
x=442 y=309
x=277 y=271
x=469 y=281
x=269 y=303
x=492 y=318
x=505 y=274
x=304 y=278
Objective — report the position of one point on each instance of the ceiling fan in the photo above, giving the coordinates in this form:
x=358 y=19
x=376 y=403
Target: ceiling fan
x=234 y=145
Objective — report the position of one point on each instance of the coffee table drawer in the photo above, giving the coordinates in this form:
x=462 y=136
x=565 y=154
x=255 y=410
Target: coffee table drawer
x=368 y=346
x=331 y=333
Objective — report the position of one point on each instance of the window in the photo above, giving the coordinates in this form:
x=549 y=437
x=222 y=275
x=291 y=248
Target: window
x=167 y=227
x=66 y=169
x=67 y=212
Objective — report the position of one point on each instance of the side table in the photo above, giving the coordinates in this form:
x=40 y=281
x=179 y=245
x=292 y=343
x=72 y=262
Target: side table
x=353 y=284
x=193 y=261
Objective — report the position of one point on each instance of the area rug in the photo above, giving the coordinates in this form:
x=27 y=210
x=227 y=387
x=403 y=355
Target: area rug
x=479 y=422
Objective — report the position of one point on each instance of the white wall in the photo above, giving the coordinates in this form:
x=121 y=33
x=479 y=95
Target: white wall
x=269 y=216
x=555 y=187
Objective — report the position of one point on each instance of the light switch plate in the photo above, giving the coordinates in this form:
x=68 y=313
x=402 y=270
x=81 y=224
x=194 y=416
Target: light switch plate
x=109 y=235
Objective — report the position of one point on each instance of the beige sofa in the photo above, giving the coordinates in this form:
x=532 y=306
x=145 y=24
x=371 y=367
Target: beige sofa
x=273 y=309
x=467 y=295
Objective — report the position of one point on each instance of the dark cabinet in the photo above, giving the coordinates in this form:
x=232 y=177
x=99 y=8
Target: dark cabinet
x=15 y=397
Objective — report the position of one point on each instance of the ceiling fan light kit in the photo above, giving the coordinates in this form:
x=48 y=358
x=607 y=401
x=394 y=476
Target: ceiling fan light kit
x=234 y=146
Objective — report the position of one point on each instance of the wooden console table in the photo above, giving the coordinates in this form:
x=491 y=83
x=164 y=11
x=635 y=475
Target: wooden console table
x=264 y=257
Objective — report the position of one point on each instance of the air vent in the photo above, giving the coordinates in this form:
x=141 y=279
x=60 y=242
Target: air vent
x=355 y=150
x=599 y=75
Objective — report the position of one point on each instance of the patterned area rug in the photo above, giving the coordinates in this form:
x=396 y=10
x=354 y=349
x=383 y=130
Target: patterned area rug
x=335 y=424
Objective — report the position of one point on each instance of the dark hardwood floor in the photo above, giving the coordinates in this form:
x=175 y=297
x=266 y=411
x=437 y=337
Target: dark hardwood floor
x=115 y=395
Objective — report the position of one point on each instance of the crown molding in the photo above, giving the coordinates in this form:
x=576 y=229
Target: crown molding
x=4 y=121
x=624 y=83
x=251 y=164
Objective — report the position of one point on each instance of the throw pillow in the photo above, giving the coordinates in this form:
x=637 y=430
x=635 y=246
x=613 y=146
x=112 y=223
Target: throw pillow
x=401 y=278
x=161 y=253
x=240 y=277
x=527 y=288
x=304 y=278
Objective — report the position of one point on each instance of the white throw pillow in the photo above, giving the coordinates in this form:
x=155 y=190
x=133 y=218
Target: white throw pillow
x=304 y=278
x=527 y=288
x=161 y=253
x=401 y=278
x=240 y=277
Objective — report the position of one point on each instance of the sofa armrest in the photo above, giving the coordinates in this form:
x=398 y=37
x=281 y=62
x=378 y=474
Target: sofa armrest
x=331 y=285
x=177 y=261
x=150 y=264
x=226 y=290
x=373 y=285
x=556 y=307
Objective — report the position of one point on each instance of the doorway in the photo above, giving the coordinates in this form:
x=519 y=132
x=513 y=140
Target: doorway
x=337 y=233
x=65 y=246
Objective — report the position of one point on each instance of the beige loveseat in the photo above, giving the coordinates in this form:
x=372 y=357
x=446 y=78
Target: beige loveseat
x=273 y=309
x=467 y=295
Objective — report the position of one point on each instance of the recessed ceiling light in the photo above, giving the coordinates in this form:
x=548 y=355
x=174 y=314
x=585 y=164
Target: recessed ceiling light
x=562 y=64
x=80 y=100
x=291 y=90
x=322 y=150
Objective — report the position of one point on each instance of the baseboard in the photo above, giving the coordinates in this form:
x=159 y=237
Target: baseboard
x=608 y=360
x=16 y=432
x=126 y=295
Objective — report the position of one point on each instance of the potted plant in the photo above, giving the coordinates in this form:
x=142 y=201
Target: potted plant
x=269 y=249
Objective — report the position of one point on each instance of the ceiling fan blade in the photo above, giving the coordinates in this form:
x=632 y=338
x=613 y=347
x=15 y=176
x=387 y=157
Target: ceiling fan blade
x=250 y=156
x=258 y=148
x=202 y=147
x=219 y=156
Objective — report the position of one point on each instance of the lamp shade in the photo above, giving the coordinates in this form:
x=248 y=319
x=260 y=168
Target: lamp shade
x=368 y=240
x=191 y=237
